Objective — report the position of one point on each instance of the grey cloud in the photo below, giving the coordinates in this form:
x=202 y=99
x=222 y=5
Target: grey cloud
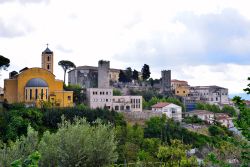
x=14 y=29
x=209 y=39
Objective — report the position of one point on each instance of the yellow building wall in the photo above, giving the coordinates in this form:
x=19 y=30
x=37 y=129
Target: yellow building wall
x=15 y=88
x=64 y=98
x=39 y=90
x=26 y=75
x=10 y=90
x=182 y=91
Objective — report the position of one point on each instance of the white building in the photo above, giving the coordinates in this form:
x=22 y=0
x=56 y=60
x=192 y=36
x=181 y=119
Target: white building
x=171 y=110
x=100 y=98
x=127 y=103
x=224 y=119
x=208 y=94
x=203 y=115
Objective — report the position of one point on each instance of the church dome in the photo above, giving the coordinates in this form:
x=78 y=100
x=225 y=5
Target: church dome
x=36 y=82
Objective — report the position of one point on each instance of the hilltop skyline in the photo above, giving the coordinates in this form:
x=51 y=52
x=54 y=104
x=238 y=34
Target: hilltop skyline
x=205 y=43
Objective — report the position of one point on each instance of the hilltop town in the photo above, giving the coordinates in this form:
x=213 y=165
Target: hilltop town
x=126 y=98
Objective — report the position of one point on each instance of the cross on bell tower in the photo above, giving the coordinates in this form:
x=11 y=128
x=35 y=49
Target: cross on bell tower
x=47 y=59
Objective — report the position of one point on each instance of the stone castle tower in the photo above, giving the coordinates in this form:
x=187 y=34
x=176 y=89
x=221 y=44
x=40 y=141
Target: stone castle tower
x=103 y=74
x=166 y=81
x=47 y=59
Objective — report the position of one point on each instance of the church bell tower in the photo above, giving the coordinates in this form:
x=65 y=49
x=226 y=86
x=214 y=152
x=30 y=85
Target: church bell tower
x=47 y=59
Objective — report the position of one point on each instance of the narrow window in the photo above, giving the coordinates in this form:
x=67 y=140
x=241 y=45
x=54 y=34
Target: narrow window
x=36 y=94
x=48 y=66
x=46 y=94
x=30 y=94
x=48 y=58
x=42 y=94
x=26 y=94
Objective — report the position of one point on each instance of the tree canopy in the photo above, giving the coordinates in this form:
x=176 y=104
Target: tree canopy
x=135 y=75
x=145 y=72
x=66 y=65
x=4 y=62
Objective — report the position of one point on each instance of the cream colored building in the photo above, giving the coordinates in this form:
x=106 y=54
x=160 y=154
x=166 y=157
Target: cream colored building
x=100 y=98
x=127 y=103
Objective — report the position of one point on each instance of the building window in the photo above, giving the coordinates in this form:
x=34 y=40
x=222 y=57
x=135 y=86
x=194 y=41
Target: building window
x=48 y=58
x=26 y=96
x=36 y=94
x=30 y=94
x=48 y=66
x=107 y=93
x=184 y=91
x=42 y=94
x=177 y=91
x=46 y=94
x=107 y=100
x=116 y=108
x=69 y=98
x=121 y=108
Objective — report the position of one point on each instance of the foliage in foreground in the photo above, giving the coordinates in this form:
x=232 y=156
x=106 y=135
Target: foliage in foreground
x=76 y=143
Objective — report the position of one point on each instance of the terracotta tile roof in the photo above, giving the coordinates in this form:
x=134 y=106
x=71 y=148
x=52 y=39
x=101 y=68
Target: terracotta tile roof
x=160 y=105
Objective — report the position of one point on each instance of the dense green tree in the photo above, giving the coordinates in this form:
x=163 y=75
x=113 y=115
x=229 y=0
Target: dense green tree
x=31 y=161
x=20 y=149
x=78 y=144
x=135 y=75
x=122 y=77
x=4 y=62
x=216 y=131
x=145 y=72
x=129 y=74
x=175 y=154
x=247 y=90
x=155 y=127
x=229 y=110
x=117 y=92
x=193 y=120
x=66 y=65
x=15 y=122
x=243 y=120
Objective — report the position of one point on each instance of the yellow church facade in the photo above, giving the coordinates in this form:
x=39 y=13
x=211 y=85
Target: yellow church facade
x=36 y=85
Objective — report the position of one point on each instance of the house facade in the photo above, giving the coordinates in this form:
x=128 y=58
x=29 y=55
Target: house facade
x=171 y=110
x=224 y=119
x=127 y=103
x=204 y=115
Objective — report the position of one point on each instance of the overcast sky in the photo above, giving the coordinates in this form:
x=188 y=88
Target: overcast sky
x=206 y=42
